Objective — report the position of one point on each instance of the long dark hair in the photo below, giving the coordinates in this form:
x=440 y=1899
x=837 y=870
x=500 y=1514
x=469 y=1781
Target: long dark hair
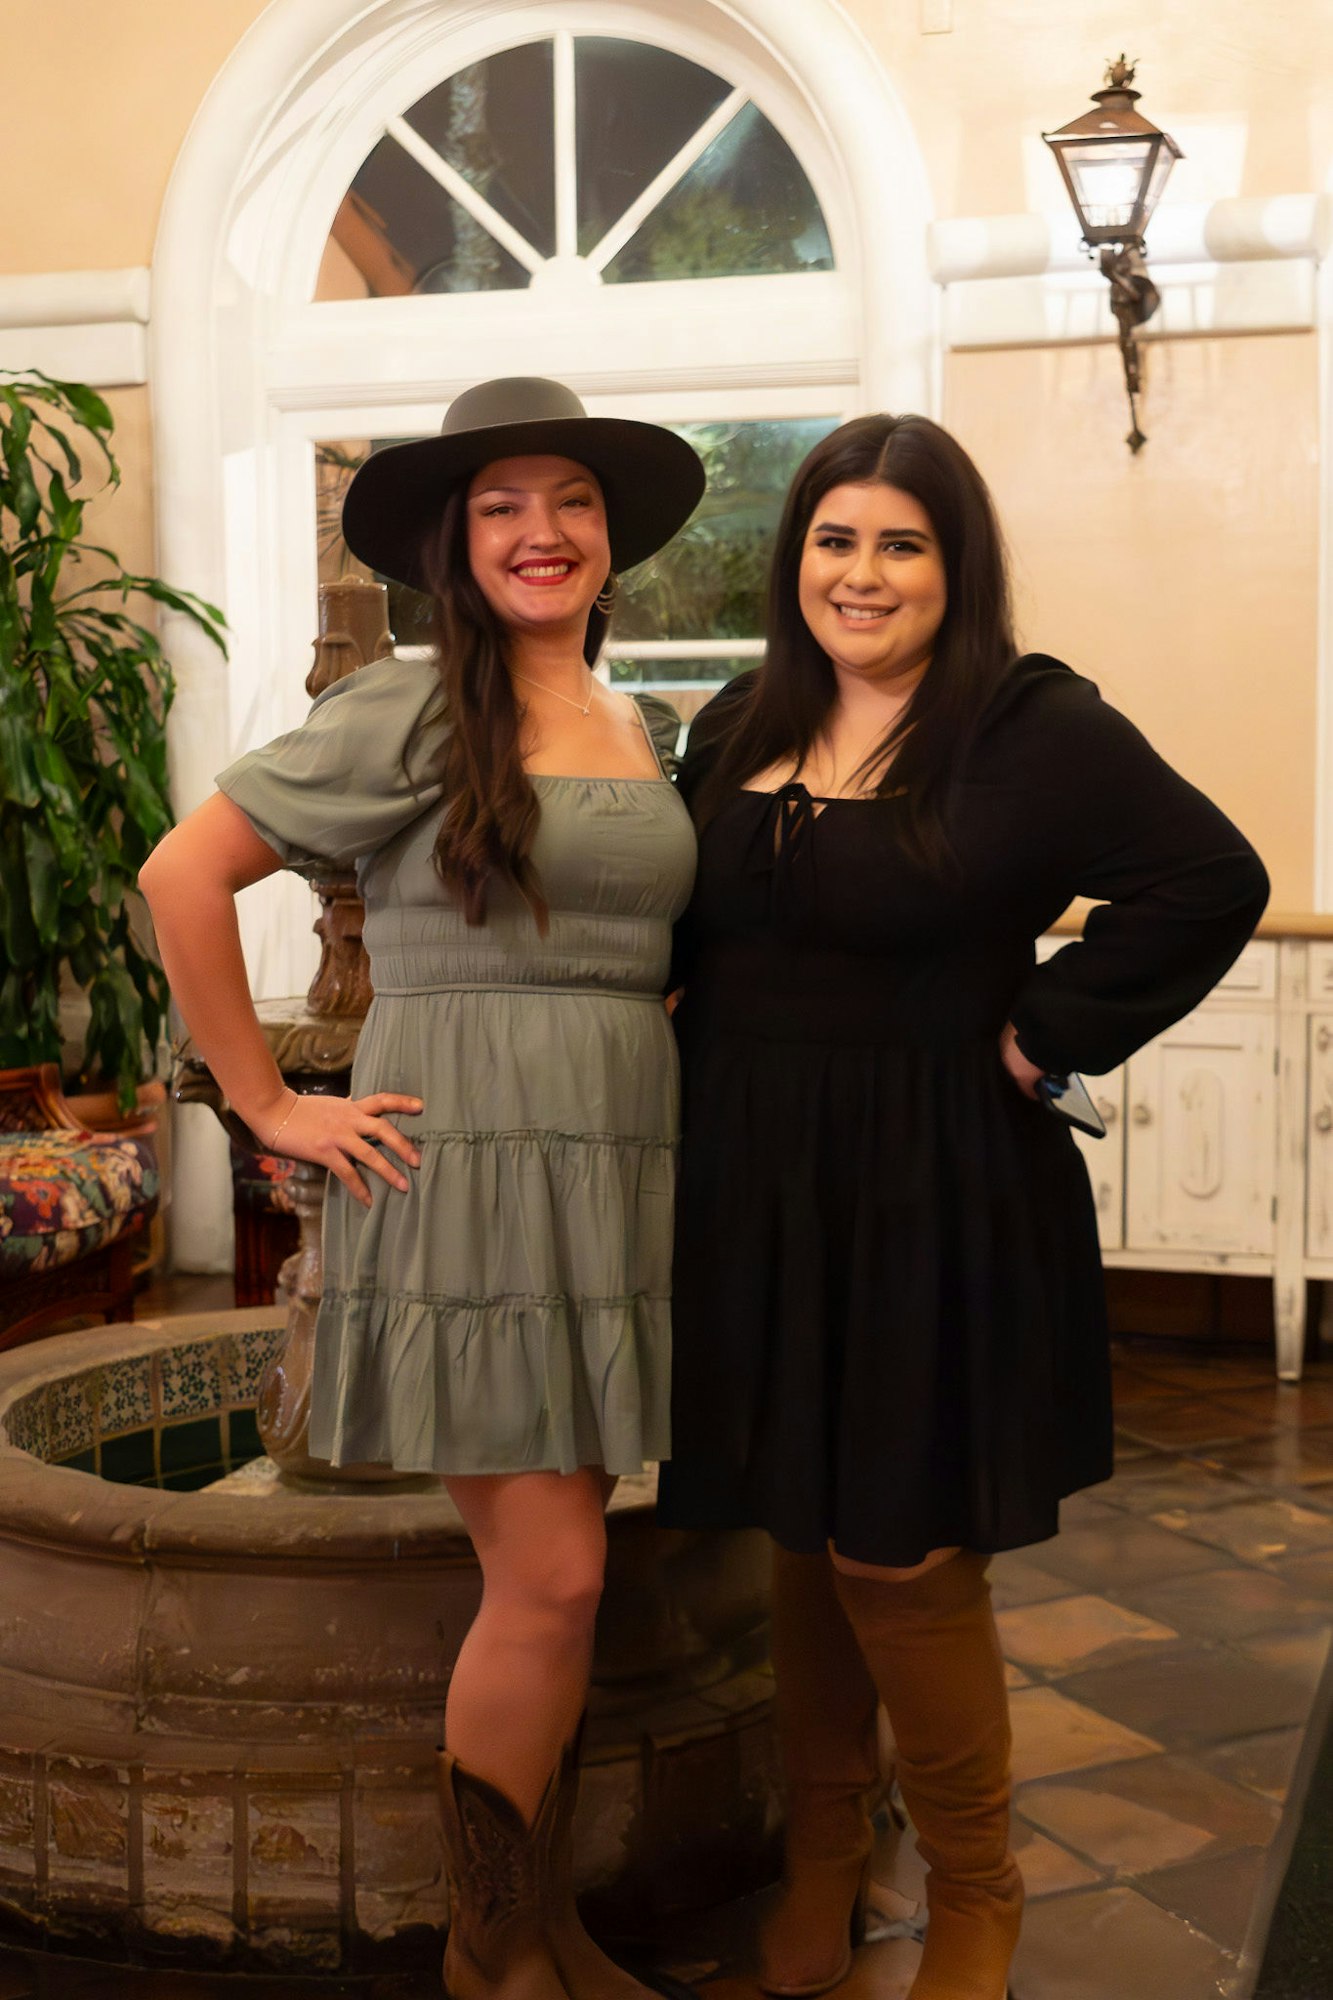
x=491 y=810
x=789 y=700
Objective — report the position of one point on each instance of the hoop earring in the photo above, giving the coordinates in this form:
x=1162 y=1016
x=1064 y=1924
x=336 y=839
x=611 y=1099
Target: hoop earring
x=607 y=595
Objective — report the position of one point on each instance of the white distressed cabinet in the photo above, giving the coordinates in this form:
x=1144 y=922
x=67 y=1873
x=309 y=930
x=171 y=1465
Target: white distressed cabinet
x=1219 y=1146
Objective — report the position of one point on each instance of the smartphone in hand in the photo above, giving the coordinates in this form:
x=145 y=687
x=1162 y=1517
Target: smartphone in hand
x=1068 y=1098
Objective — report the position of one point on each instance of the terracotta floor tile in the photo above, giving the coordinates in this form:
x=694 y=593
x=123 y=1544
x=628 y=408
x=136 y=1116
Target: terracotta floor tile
x=1189 y=1424
x=1084 y=1510
x=1048 y=1868
x=1149 y=1813
x=1133 y=1386
x=1228 y=1603
x=1192 y=1695
x=1216 y=1896
x=1113 y=1944
x=1053 y=1733
x=1125 y=1550
x=1312 y=1574
x=1073 y=1632
x=1257 y=1530
x=1015 y=1580
x=1303 y=1655
x=1145 y=1485
x=1216 y=1375
x=1287 y=1458
x=1263 y=1762
x=1115 y=1833
x=1291 y=1405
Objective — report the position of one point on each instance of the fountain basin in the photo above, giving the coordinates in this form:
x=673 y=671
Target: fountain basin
x=221 y=1688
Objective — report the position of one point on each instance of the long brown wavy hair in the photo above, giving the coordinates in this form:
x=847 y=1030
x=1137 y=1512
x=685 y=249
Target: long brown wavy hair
x=491 y=810
x=790 y=698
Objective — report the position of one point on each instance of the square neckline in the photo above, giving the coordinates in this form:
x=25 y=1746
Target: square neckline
x=579 y=778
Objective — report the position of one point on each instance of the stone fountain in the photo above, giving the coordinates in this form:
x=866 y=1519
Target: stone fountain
x=222 y=1671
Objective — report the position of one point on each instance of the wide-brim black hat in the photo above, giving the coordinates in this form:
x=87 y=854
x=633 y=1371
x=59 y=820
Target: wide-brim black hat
x=651 y=479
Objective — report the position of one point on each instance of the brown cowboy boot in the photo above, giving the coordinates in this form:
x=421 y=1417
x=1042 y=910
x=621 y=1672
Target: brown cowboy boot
x=497 y=1947
x=826 y=1707
x=932 y=1647
x=585 y=1969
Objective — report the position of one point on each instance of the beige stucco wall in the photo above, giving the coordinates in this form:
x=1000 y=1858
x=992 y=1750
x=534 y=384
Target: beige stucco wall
x=1184 y=580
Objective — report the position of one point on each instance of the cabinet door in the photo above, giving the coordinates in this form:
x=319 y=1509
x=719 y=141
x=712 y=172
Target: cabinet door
x=1105 y=1158
x=1319 y=1140
x=1201 y=1154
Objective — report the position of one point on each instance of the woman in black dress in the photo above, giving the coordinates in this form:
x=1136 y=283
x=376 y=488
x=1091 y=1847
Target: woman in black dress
x=890 y=1342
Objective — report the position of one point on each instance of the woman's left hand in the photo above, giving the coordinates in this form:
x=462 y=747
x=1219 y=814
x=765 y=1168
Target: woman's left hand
x=1025 y=1074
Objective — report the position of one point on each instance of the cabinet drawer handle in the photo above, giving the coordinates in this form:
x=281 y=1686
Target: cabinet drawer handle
x=1323 y=1119
x=1142 y=1114
x=1108 y=1110
x=1323 y=1037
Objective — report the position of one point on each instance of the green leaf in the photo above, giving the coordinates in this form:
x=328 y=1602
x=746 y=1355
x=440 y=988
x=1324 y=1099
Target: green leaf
x=17 y=929
x=66 y=514
x=87 y=405
x=43 y=881
x=18 y=781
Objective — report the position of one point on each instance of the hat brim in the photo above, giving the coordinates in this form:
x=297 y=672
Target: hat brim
x=651 y=480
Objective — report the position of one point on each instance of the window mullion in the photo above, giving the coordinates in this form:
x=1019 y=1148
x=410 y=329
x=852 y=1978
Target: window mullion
x=566 y=155
x=465 y=194
x=657 y=189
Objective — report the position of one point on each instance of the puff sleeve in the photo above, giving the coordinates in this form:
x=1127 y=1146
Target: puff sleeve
x=1179 y=889
x=363 y=765
x=664 y=727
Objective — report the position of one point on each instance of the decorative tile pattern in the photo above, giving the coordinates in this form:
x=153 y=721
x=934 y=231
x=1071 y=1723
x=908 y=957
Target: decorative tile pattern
x=188 y=1379
x=72 y=1415
x=127 y=1396
x=251 y=1355
x=25 y=1424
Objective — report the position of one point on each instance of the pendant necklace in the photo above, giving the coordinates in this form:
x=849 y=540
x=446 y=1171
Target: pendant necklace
x=582 y=706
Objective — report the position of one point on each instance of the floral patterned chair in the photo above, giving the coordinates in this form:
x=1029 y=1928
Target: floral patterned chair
x=72 y=1203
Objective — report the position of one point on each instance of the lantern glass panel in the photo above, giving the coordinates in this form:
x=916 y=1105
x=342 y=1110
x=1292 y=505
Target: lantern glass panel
x=1162 y=165
x=1107 y=180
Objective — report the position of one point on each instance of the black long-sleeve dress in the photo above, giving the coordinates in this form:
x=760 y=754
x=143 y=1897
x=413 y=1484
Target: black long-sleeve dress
x=889 y=1325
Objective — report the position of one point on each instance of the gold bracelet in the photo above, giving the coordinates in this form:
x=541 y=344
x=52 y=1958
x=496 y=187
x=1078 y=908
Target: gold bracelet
x=296 y=1099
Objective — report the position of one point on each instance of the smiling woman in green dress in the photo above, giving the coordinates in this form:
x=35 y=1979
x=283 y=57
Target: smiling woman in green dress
x=498 y=1227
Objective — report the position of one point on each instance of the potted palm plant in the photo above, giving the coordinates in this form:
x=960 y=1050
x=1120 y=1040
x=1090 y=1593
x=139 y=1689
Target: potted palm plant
x=84 y=692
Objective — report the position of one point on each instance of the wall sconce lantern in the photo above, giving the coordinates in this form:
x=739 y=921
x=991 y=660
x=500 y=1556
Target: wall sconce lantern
x=1114 y=164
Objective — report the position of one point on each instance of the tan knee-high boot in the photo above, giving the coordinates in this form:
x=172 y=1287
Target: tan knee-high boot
x=497 y=1947
x=585 y=1970
x=826 y=1709
x=932 y=1647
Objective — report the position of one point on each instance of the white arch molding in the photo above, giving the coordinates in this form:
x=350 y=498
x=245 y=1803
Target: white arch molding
x=237 y=368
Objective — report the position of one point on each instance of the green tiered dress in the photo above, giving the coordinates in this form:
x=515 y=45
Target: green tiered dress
x=511 y=1311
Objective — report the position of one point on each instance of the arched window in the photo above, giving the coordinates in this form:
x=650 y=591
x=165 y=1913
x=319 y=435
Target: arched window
x=524 y=186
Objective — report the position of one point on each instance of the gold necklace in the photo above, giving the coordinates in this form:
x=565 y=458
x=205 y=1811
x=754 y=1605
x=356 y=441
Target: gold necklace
x=581 y=706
